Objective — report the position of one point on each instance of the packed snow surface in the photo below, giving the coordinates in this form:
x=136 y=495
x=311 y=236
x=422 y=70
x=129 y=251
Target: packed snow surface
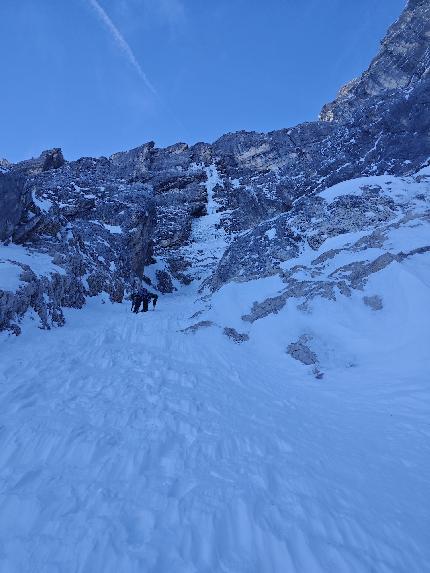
x=127 y=446
x=9 y=276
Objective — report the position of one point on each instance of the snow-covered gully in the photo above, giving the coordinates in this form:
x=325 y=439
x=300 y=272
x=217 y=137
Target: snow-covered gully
x=127 y=446
x=271 y=415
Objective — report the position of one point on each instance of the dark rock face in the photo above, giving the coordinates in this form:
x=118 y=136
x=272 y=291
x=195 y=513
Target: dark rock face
x=402 y=64
x=261 y=251
x=49 y=159
x=140 y=242
x=105 y=221
x=14 y=200
x=164 y=282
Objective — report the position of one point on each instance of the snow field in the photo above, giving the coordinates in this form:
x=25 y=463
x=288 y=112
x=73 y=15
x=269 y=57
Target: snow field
x=128 y=446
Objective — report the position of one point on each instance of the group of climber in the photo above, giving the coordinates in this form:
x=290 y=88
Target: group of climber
x=143 y=297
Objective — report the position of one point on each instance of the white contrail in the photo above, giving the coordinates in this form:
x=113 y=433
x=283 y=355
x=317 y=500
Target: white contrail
x=121 y=42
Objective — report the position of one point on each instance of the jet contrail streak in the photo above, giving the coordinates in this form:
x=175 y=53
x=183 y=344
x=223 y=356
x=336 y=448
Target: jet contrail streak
x=121 y=42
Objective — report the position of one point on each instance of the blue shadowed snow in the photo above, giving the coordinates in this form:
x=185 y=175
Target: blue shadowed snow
x=128 y=446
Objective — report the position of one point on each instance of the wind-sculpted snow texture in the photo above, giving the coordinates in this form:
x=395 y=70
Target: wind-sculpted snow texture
x=128 y=446
x=105 y=220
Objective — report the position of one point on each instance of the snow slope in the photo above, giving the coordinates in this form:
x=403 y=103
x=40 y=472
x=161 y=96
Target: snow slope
x=156 y=443
x=128 y=446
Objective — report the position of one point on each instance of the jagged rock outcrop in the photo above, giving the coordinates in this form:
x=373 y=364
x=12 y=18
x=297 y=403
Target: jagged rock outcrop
x=362 y=222
x=300 y=351
x=403 y=63
x=105 y=221
x=4 y=165
x=234 y=335
x=379 y=123
x=262 y=250
x=49 y=159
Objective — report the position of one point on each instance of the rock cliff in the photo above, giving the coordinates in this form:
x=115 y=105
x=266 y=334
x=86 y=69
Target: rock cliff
x=233 y=210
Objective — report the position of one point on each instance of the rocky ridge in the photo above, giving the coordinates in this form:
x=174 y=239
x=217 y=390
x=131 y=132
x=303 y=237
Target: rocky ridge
x=241 y=208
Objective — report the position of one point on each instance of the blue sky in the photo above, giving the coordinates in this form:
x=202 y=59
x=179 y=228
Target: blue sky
x=99 y=76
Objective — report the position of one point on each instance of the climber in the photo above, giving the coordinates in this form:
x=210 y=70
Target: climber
x=154 y=301
x=145 y=297
x=136 y=299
